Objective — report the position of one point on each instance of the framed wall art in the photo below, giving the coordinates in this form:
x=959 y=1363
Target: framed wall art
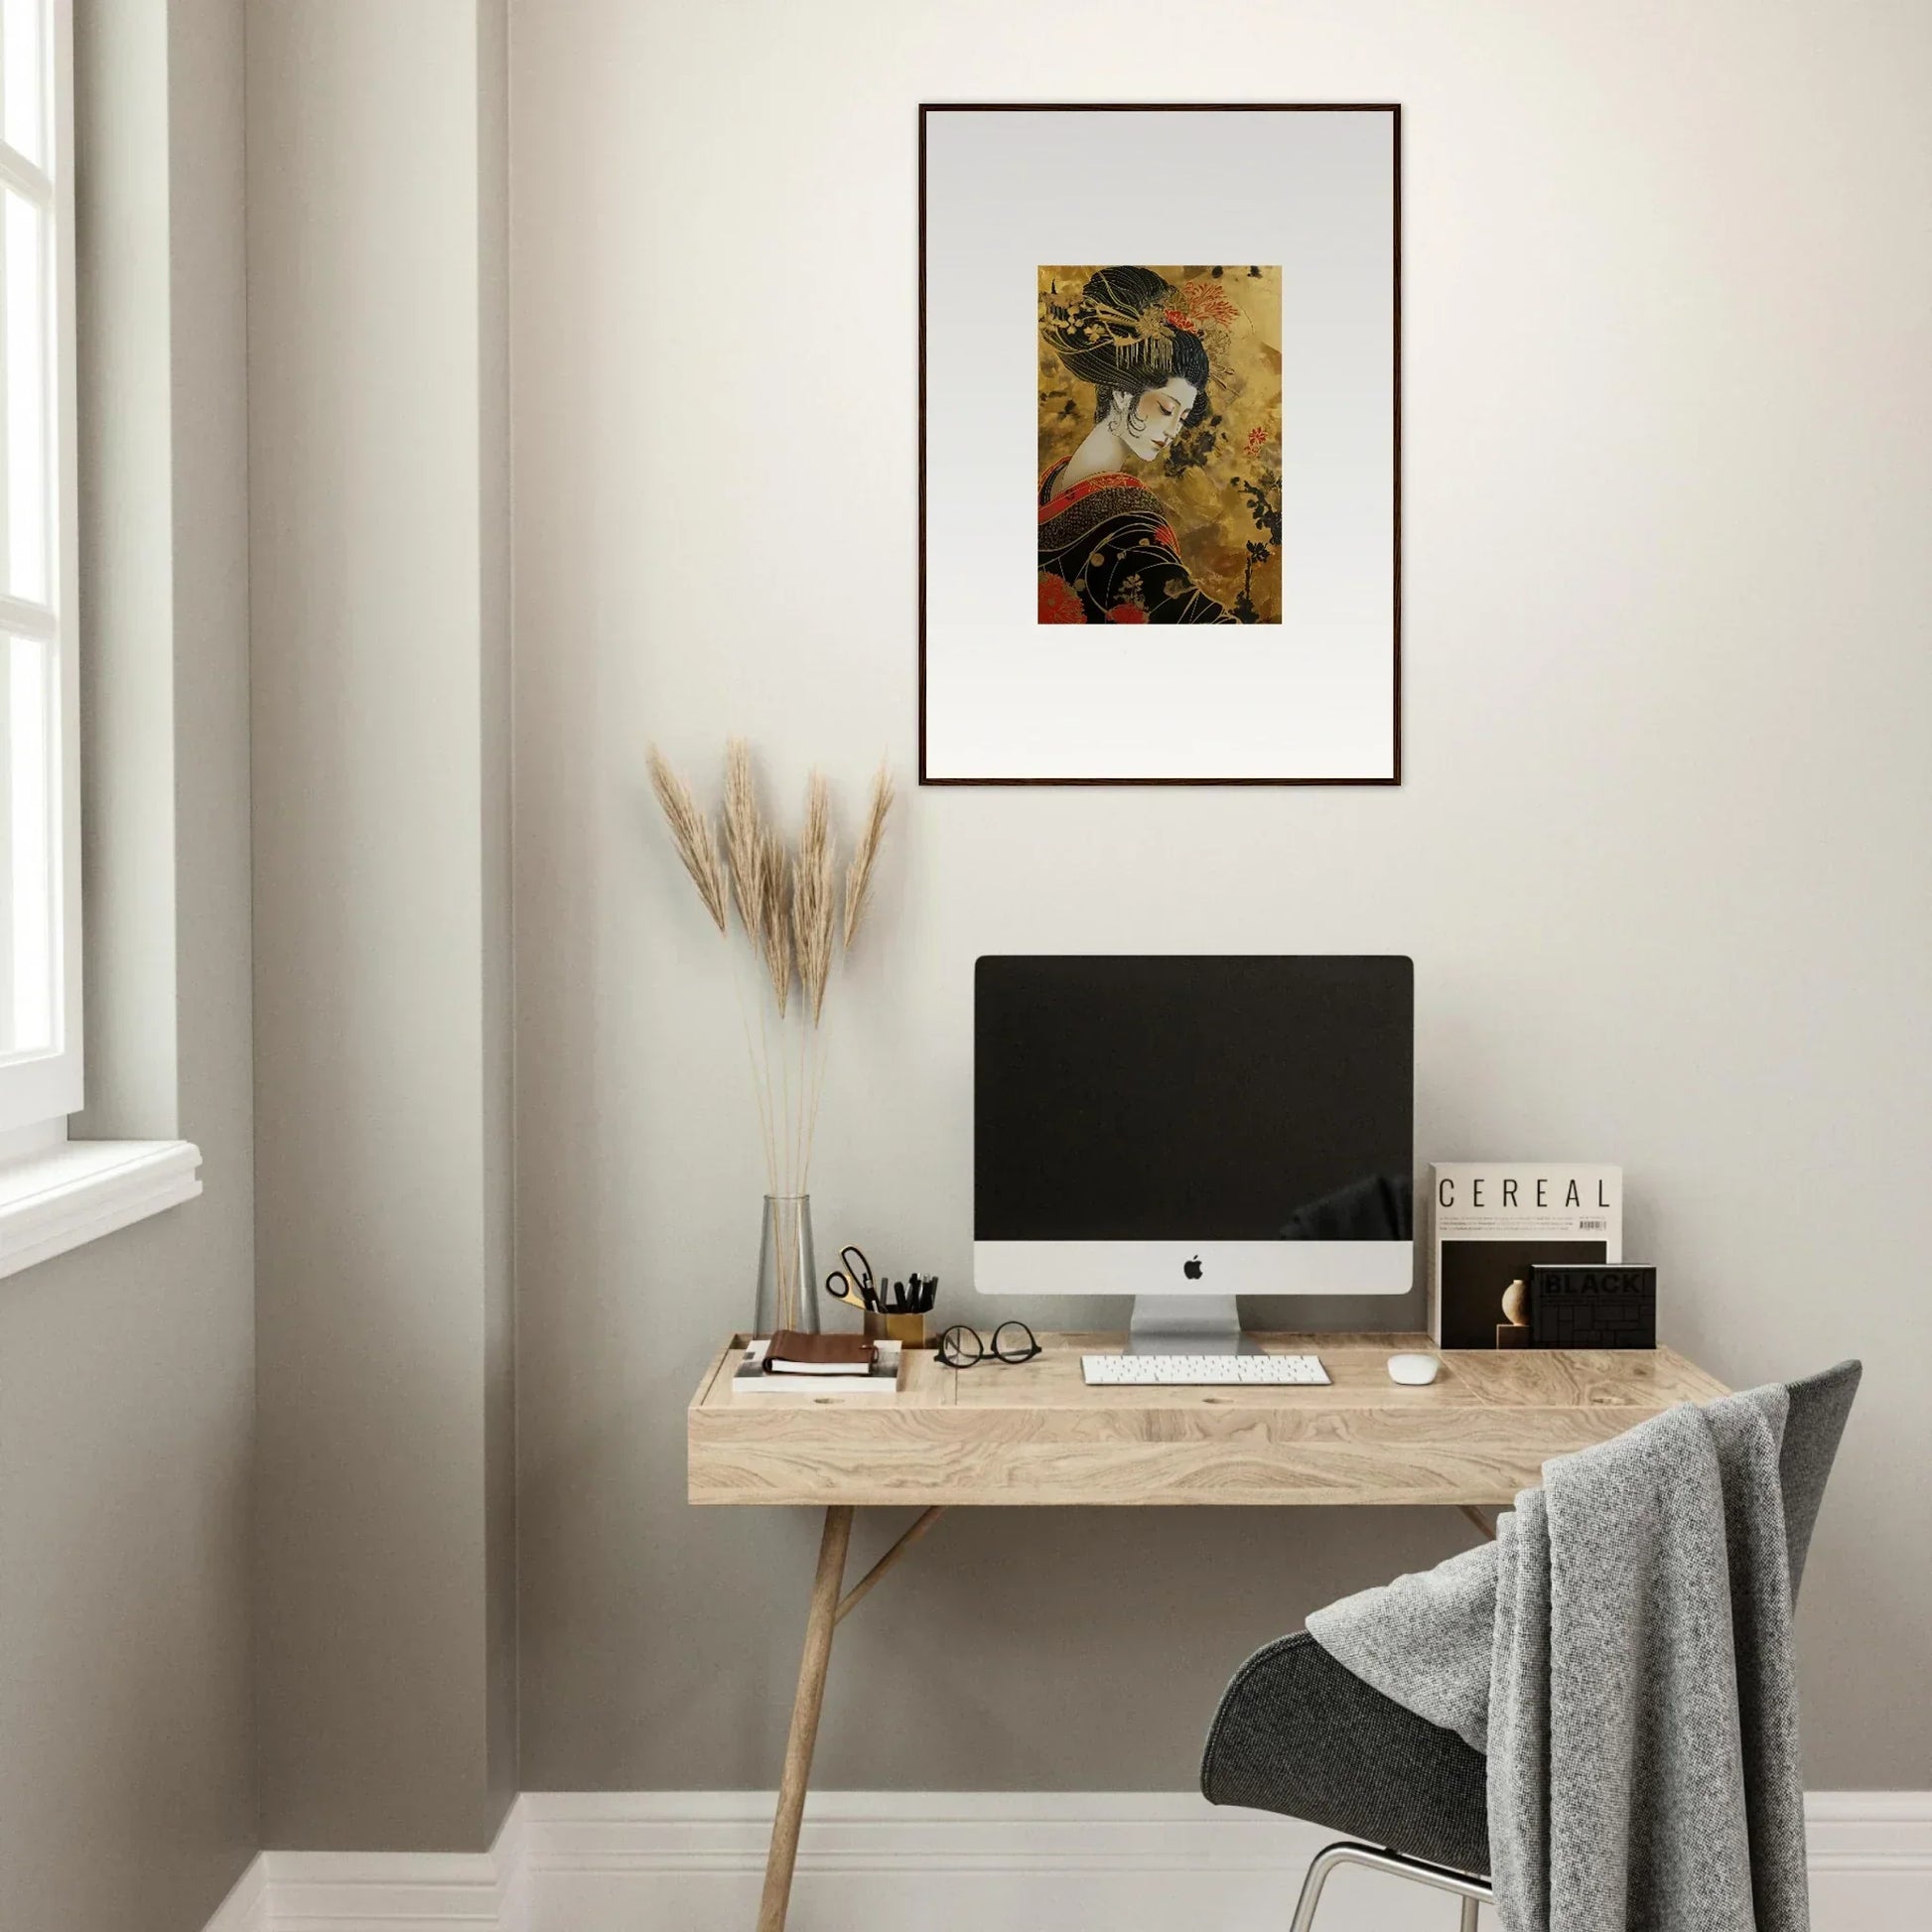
x=1159 y=368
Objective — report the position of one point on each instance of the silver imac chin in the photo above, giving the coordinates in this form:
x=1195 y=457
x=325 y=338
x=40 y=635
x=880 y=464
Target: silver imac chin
x=1185 y=1129
x=1183 y=1291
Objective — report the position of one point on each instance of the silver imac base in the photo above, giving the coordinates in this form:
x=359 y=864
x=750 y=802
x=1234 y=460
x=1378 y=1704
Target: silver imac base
x=1187 y=1325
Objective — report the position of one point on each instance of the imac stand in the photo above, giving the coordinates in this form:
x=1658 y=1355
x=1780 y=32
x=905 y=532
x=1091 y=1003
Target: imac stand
x=1187 y=1325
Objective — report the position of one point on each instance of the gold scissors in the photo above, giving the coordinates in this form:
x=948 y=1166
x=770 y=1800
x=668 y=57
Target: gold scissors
x=851 y=1282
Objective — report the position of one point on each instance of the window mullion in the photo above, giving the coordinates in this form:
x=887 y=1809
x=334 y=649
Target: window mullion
x=6 y=400
x=17 y=616
x=7 y=1039
x=40 y=896
x=24 y=177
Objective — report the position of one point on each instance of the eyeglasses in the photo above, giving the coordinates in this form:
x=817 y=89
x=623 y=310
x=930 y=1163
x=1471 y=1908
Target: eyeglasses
x=1013 y=1342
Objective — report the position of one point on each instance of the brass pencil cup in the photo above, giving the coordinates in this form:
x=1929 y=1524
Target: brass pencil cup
x=906 y=1329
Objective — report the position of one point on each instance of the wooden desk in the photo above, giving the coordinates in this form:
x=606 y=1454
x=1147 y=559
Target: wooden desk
x=1032 y=1434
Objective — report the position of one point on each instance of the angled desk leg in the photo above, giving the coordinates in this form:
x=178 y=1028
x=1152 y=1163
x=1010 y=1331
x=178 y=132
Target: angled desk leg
x=805 y=1707
x=828 y=1611
x=856 y=1596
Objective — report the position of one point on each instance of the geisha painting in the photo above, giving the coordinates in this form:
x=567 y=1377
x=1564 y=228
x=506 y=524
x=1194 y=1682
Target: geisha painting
x=1214 y=441
x=1160 y=481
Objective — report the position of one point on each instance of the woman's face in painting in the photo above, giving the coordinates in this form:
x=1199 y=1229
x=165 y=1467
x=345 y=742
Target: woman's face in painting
x=1149 y=422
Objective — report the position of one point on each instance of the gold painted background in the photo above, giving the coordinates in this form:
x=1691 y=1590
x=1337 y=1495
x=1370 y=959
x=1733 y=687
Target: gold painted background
x=1200 y=479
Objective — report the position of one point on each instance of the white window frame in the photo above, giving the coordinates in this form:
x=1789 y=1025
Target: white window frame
x=38 y=1092
x=55 y=1194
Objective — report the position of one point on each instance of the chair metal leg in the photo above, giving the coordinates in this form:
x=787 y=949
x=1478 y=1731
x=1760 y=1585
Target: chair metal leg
x=1325 y=1862
x=1470 y=1891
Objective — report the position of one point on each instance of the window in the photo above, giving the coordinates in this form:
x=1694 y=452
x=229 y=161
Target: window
x=39 y=846
x=55 y=1194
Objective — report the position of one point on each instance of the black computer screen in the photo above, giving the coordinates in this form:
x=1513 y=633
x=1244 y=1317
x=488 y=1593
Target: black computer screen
x=1144 y=1098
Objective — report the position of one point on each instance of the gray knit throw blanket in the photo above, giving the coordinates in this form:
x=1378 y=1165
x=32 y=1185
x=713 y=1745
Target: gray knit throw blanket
x=1622 y=1652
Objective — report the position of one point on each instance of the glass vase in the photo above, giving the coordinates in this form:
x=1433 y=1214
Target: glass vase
x=787 y=1274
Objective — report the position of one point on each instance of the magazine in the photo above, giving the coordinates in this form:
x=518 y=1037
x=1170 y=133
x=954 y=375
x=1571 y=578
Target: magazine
x=1490 y=1220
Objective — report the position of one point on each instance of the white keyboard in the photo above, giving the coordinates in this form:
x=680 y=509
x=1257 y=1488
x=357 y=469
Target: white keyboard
x=1202 y=1371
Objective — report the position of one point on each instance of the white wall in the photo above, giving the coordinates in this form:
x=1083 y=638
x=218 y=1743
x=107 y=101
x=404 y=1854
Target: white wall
x=379 y=539
x=1659 y=856
x=127 y=1777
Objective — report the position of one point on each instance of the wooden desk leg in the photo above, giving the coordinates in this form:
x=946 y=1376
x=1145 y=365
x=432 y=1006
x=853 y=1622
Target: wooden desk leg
x=805 y=1707
x=856 y=1596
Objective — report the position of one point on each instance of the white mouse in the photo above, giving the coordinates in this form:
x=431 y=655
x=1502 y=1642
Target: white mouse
x=1414 y=1370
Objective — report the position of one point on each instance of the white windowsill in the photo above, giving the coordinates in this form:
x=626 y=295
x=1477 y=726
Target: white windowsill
x=82 y=1189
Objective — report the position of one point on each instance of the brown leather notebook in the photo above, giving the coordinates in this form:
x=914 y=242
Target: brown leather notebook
x=794 y=1353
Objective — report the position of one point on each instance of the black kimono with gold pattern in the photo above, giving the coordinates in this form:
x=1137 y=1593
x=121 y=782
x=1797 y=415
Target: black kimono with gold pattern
x=1107 y=556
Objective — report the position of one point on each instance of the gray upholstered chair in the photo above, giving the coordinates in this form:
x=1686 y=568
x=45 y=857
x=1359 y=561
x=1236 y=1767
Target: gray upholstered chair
x=1299 y=1735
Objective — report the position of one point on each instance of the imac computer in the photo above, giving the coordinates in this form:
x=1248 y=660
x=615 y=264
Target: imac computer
x=1190 y=1129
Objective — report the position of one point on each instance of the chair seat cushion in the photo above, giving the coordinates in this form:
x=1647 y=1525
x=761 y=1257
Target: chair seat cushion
x=1298 y=1734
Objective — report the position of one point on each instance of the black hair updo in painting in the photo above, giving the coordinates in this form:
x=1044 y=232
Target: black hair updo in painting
x=1127 y=331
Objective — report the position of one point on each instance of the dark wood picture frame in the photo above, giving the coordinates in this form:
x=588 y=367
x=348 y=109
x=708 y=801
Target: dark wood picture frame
x=1394 y=111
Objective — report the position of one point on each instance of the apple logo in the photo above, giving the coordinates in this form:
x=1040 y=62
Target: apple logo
x=1191 y=1268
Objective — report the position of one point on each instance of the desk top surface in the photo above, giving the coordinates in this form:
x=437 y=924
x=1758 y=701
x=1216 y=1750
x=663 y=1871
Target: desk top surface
x=1035 y=1433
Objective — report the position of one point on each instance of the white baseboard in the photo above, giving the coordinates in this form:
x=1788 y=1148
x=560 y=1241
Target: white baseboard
x=955 y=1861
x=245 y=1909
x=385 y=1891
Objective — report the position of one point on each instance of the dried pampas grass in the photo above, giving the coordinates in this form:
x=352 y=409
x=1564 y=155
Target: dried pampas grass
x=774 y=918
x=812 y=897
x=787 y=909
x=692 y=834
x=858 y=875
x=744 y=835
